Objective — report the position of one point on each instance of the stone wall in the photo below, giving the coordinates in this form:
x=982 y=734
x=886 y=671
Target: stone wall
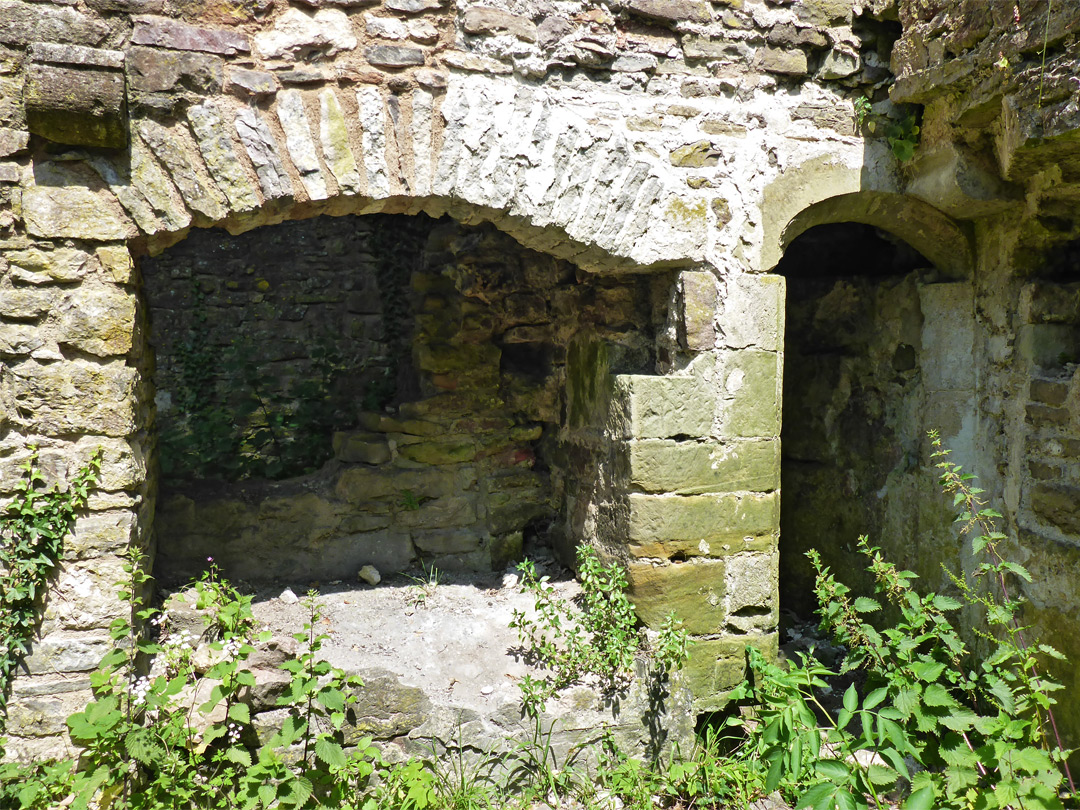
x=686 y=142
x=476 y=440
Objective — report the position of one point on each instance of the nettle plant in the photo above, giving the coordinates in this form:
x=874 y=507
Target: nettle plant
x=181 y=735
x=935 y=723
x=599 y=640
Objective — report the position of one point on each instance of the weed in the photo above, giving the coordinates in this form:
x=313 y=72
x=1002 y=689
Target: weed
x=423 y=588
x=600 y=640
x=32 y=532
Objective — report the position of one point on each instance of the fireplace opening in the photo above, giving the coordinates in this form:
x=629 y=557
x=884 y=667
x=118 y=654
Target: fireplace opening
x=377 y=390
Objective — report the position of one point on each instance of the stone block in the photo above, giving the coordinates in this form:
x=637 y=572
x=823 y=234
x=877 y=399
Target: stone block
x=485 y=20
x=695 y=155
x=825 y=12
x=439 y=513
x=361 y=448
x=697 y=329
x=299 y=34
x=25 y=303
x=116 y=263
x=100 y=533
x=75 y=95
x=153 y=70
x=37 y=266
x=446 y=541
x=13 y=141
x=61 y=206
x=175 y=35
x=454 y=450
x=752 y=312
x=251 y=82
x=694 y=591
x=782 y=61
x=394 y=56
x=671 y=10
x=1045 y=416
x=1058 y=505
x=752 y=597
x=22 y=23
x=98 y=320
x=82 y=595
x=948 y=337
x=68 y=652
x=75 y=396
x=362 y=484
x=750 y=391
x=44 y=715
x=385 y=708
x=646 y=407
x=717 y=666
x=699 y=467
x=1049 y=392
x=684 y=526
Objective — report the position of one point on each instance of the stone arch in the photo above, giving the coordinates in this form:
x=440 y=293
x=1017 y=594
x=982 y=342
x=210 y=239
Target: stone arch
x=481 y=149
x=824 y=191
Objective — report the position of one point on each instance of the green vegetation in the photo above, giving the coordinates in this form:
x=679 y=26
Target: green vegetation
x=926 y=723
x=32 y=532
x=901 y=130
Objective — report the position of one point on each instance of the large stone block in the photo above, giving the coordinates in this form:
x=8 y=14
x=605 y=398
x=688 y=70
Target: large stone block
x=75 y=95
x=752 y=595
x=37 y=266
x=68 y=652
x=693 y=591
x=717 y=666
x=98 y=320
x=750 y=394
x=647 y=407
x=83 y=595
x=72 y=397
x=752 y=312
x=699 y=467
x=61 y=205
x=684 y=526
x=44 y=715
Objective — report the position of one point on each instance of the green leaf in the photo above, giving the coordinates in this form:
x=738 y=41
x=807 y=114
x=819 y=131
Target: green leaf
x=330 y=752
x=819 y=796
x=834 y=770
x=240 y=713
x=875 y=698
x=921 y=799
x=881 y=775
x=938 y=695
x=946 y=603
x=851 y=698
x=864 y=604
x=331 y=698
x=239 y=756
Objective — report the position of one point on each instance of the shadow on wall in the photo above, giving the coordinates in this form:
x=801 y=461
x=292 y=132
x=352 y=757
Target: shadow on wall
x=871 y=329
x=338 y=392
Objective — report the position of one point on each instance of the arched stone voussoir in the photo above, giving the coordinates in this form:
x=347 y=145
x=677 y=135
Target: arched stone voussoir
x=936 y=236
x=829 y=189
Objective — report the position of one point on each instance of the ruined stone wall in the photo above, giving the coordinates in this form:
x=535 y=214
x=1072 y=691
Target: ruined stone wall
x=686 y=141
x=476 y=439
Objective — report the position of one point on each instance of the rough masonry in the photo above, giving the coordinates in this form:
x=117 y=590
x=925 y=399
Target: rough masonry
x=674 y=149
